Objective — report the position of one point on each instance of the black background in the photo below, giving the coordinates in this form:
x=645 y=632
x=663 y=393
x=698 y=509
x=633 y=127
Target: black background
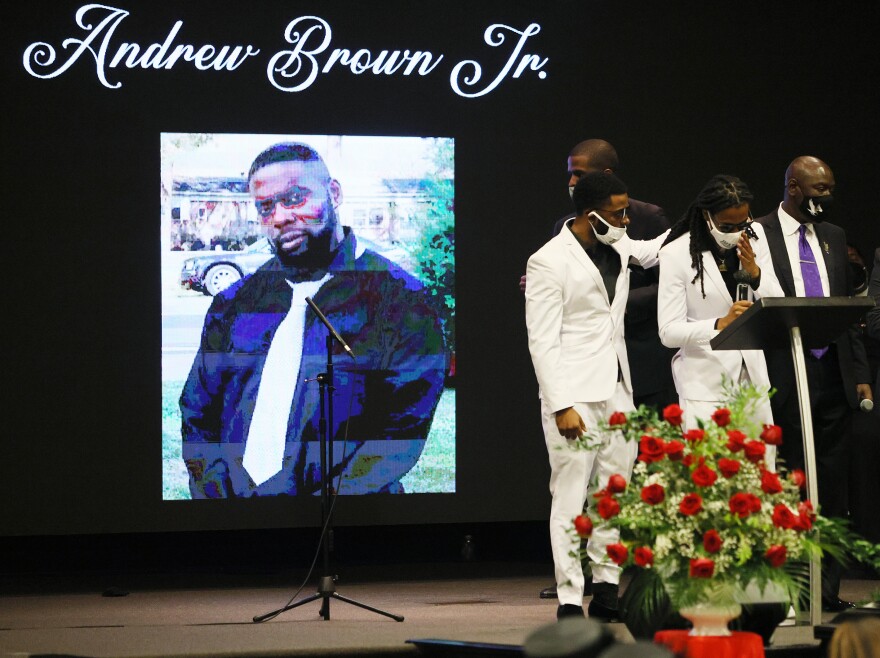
x=683 y=90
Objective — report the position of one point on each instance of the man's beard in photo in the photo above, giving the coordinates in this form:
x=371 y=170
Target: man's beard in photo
x=318 y=251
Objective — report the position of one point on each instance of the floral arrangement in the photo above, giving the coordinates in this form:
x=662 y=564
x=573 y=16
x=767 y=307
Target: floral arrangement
x=705 y=510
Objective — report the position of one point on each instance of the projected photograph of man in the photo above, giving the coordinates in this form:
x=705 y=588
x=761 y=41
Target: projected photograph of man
x=260 y=235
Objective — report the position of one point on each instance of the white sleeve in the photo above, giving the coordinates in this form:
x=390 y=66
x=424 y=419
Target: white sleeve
x=672 y=314
x=770 y=286
x=544 y=301
x=646 y=251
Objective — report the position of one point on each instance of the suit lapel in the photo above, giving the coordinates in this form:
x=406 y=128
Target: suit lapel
x=835 y=285
x=621 y=286
x=713 y=274
x=779 y=254
x=576 y=251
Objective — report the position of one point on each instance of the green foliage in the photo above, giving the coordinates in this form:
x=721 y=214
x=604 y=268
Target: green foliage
x=435 y=253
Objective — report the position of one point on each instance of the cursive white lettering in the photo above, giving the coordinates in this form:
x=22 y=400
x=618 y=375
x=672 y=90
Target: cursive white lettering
x=301 y=65
x=129 y=54
x=494 y=36
x=292 y=62
x=43 y=54
x=291 y=70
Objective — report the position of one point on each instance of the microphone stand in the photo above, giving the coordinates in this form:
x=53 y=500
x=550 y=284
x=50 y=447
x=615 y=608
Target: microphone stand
x=327 y=583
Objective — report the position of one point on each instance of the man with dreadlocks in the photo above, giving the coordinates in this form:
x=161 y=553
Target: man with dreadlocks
x=697 y=297
x=575 y=305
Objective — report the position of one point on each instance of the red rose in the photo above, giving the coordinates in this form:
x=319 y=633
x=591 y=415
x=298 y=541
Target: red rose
x=617 y=418
x=616 y=483
x=712 y=541
x=653 y=494
x=608 y=507
x=690 y=504
x=721 y=417
x=728 y=467
x=802 y=523
x=741 y=504
x=805 y=517
x=754 y=503
x=703 y=476
x=772 y=434
x=798 y=477
x=783 y=517
x=687 y=460
x=583 y=525
x=702 y=568
x=736 y=440
x=695 y=435
x=617 y=552
x=755 y=451
x=776 y=555
x=644 y=556
x=770 y=482
x=672 y=414
x=651 y=449
x=674 y=450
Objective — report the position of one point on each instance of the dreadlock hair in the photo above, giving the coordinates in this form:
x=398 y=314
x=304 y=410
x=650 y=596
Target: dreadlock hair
x=720 y=193
x=593 y=188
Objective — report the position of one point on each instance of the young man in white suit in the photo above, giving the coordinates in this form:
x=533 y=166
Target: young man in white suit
x=697 y=297
x=575 y=305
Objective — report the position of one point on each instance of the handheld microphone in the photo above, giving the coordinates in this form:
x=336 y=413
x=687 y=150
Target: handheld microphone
x=743 y=280
x=866 y=405
x=329 y=326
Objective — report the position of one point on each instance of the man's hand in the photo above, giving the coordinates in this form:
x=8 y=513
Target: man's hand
x=863 y=392
x=569 y=423
x=747 y=256
x=735 y=311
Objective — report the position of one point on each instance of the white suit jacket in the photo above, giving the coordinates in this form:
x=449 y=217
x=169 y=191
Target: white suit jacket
x=575 y=334
x=686 y=320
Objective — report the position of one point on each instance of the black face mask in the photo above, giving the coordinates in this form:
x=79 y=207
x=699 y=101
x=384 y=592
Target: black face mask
x=817 y=208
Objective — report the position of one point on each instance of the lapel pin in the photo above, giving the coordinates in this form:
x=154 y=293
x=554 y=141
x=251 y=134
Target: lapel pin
x=825 y=247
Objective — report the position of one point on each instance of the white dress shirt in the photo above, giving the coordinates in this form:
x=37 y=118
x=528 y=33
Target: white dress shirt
x=791 y=235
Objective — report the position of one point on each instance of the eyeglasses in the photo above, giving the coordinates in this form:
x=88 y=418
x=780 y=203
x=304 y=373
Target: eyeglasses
x=295 y=197
x=619 y=215
x=731 y=228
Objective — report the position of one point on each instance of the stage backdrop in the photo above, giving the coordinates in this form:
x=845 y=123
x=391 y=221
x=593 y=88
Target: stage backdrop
x=127 y=134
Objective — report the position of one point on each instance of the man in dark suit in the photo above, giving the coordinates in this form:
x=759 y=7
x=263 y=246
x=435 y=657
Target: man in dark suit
x=651 y=371
x=809 y=256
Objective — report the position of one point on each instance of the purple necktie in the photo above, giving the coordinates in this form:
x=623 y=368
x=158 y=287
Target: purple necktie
x=810 y=274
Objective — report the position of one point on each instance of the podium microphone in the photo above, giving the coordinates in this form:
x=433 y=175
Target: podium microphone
x=743 y=280
x=329 y=326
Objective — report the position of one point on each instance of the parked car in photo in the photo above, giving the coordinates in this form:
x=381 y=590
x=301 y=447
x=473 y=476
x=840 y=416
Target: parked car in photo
x=210 y=272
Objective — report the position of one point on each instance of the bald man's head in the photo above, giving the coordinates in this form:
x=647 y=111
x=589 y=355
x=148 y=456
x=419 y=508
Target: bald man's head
x=590 y=156
x=809 y=186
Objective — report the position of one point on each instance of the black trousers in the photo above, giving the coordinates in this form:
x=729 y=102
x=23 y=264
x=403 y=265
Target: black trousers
x=832 y=419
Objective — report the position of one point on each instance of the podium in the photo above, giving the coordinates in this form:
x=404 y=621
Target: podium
x=798 y=322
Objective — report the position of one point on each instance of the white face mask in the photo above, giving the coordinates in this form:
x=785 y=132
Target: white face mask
x=612 y=235
x=724 y=240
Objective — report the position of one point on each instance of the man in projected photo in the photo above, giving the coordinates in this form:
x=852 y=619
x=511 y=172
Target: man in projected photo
x=576 y=299
x=250 y=415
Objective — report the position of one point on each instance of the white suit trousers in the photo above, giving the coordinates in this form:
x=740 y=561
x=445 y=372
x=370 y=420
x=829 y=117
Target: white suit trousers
x=571 y=475
x=703 y=410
